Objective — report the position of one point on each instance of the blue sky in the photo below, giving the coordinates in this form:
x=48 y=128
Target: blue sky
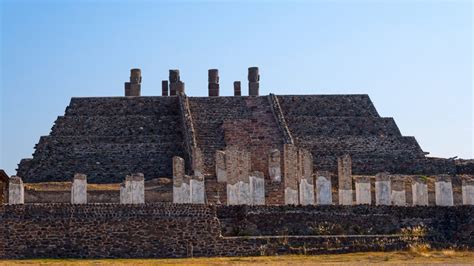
x=414 y=58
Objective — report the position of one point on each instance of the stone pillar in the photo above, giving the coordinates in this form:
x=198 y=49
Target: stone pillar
x=237 y=88
x=274 y=166
x=79 y=189
x=291 y=175
x=419 y=191
x=16 y=191
x=213 y=79
x=164 y=88
x=133 y=88
x=398 y=196
x=197 y=187
x=257 y=188
x=220 y=167
x=323 y=188
x=382 y=189
x=468 y=191
x=176 y=85
x=344 y=169
x=254 y=81
x=363 y=193
x=181 y=186
x=306 y=187
x=138 y=188
x=238 y=180
x=444 y=191
x=126 y=191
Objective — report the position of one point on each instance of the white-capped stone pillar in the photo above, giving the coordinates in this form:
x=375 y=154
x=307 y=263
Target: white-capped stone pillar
x=197 y=188
x=138 y=188
x=344 y=167
x=16 y=191
x=382 y=189
x=419 y=191
x=291 y=175
x=126 y=191
x=323 y=188
x=363 y=193
x=238 y=176
x=306 y=186
x=79 y=189
x=444 y=191
x=468 y=191
x=257 y=188
x=221 y=172
x=398 y=196
x=274 y=166
x=181 y=187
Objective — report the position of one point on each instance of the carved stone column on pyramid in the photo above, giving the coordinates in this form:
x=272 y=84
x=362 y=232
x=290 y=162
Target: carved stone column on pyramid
x=419 y=190
x=254 y=81
x=344 y=169
x=363 y=193
x=237 y=88
x=398 y=196
x=444 y=191
x=16 y=191
x=197 y=188
x=382 y=189
x=213 y=79
x=468 y=190
x=291 y=174
x=164 y=88
x=323 y=188
x=133 y=88
x=274 y=166
x=176 y=85
x=220 y=167
x=79 y=189
x=306 y=186
x=257 y=188
x=238 y=171
x=181 y=187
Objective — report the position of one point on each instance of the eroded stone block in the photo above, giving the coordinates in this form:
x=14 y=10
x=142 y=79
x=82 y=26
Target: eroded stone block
x=382 y=189
x=274 y=166
x=419 y=190
x=306 y=187
x=16 y=191
x=363 y=194
x=181 y=186
x=138 y=188
x=323 y=188
x=79 y=189
x=238 y=171
x=344 y=166
x=468 y=191
x=291 y=174
x=221 y=171
x=198 y=191
x=398 y=196
x=257 y=188
x=444 y=191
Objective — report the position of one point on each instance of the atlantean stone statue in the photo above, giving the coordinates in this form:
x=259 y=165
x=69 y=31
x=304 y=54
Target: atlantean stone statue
x=254 y=81
x=133 y=88
x=213 y=80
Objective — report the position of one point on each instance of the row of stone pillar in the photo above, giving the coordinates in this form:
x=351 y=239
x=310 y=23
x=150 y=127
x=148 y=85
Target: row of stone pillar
x=189 y=189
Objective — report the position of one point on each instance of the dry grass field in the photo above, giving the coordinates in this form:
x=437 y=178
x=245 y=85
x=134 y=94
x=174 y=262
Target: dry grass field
x=423 y=257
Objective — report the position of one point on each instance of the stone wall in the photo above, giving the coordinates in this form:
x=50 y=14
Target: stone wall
x=185 y=230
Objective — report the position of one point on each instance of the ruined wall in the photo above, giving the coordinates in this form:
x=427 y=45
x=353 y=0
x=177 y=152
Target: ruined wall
x=185 y=230
x=107 y=138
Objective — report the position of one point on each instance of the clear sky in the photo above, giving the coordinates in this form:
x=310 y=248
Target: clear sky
x=414 y=58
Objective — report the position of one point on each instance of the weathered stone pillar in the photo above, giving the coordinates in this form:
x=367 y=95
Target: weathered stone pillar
x=257 y=188
x=213 y=79
x=238 y=180
x=133 y=88
x=181 y=186
x=382 y=189
x=16 y=191
x=398 y=196
x=419 y=191
x=444 y=191
x=164 y=88
x=176 y=85
x=363 y=193
x=79 y=189
x=291 y=175
x=197 y=187
x=274 y=166
x=126 y=191
x=254 y=81
x=221 y=172
x=468 y=191
x=344 y=167
x=237 y=88
x=323 y=188
x=306 y=182
x=138 y=188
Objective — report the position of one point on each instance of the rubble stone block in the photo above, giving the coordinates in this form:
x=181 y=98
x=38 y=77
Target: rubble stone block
x=221 y=171
x=16 y=191
x=323 y=188
x=344 y=166
x=79 y=189
x=274 y=166
x=419 y=189
x=444 y=191
x=382 y=189
x=257 y=188
x=363 y=193
x=468 y=191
